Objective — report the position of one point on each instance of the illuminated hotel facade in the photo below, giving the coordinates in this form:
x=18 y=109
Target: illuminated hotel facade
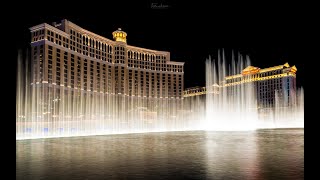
x=272 y=84
x=66 y=55
x=83 y=83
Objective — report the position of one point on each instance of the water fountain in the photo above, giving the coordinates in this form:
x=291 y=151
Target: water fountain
x=44 y=111
x=232 y=108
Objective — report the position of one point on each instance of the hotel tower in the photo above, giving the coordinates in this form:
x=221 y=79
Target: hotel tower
x=83 y=83
x=271 y=84
x=66 y=55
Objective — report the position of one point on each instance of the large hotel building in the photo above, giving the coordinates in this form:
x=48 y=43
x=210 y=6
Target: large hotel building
x=84 y=83
x=270 y=84
x=65 y=54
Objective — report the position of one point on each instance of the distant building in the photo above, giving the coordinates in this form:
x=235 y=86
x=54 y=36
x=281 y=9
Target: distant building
x=268 y=82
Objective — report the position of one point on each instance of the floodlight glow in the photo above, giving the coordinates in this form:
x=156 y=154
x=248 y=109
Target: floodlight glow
x=44 y=113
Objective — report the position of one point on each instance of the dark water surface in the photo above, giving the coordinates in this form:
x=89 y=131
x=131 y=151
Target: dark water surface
x=263 y=154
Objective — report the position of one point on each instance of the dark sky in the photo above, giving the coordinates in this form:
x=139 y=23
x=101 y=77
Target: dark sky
x=190 y=32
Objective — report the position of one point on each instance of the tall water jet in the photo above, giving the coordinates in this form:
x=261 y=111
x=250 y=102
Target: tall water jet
x=228 y=108
x=244 y=97
x=231 y=102
x=46 y=110
x=289 y=117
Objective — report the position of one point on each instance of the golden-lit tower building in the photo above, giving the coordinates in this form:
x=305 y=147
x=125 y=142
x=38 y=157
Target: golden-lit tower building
x=83 y=83
x=277 y=83
x=69 y=62
x=270 y=84
x=67 y=55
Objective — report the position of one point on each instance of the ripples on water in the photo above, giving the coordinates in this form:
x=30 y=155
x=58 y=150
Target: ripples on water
x=263 y=154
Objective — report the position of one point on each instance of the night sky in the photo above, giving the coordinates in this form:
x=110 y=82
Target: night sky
x=188 y=34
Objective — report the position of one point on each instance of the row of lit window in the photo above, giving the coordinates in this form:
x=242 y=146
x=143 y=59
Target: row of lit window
x=145 y=56
x=72 y=70
x=100 y=55
x=90 y=42
x=38 y=63
x=37 y=35
x=65 y=64
x=98 y=44
x=153 y=66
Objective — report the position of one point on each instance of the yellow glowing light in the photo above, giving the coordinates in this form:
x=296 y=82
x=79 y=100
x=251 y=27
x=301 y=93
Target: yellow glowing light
x=250 y=70
x=294 y=69
x=119 y=35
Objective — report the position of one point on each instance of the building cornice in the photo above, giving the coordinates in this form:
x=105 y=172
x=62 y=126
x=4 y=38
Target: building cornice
x=175 y=63
x=261 y=78
x=49 y=27
x=44 y=41
x=104 y=39
x=259 y=71
x=144 y=50
x=85 y=32
x=89 y=33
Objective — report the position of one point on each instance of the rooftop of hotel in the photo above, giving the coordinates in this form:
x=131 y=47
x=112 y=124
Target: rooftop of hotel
x=119 y=36
x=251 y=70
